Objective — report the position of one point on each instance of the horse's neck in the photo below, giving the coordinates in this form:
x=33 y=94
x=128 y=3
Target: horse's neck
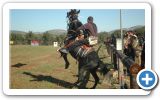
x=74 y=25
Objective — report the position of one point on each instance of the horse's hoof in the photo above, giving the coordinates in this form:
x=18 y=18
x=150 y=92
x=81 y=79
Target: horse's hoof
x=74 y=87
x=76 y=83
x=92 y=87
x=67 y=66
x=99 y=82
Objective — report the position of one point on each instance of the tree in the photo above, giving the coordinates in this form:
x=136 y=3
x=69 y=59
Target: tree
x=29 y=37
x=47 y=38
x=102 y=36
x=140 y=31
x=17 y=38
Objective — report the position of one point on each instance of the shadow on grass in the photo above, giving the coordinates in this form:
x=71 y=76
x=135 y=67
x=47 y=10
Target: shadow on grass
x=18 y=65
x=50 y=79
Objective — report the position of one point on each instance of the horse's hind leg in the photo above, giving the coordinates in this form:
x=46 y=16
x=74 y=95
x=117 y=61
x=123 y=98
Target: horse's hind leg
x=83 y=78
x=78 y=74
x=96 y=78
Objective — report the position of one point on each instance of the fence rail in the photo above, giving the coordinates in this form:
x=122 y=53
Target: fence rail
x=118 y=57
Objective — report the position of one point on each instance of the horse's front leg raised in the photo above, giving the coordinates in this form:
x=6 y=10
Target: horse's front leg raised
x=64 y=55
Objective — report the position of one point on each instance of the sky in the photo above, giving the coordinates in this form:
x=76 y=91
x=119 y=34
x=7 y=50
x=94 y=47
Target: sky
x=41 y=20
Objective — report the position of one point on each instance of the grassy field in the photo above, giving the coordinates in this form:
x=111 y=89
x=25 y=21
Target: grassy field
x=40 y=67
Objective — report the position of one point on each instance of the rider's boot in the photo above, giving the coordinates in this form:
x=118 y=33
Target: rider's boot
x=64 y=50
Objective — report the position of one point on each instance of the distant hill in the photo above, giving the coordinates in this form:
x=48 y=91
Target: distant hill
x=135 y=27
x=17 y=32
x=139 y=30
x=126 y=29
x=61 y=31
x=57 y=31
x=54 y=31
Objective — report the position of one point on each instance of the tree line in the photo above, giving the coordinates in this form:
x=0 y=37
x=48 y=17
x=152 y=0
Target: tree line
x=140 y=32
x=44 y=38
x=47 y=38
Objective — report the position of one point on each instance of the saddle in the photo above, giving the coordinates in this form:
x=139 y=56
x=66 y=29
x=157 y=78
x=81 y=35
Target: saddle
x=84 y=50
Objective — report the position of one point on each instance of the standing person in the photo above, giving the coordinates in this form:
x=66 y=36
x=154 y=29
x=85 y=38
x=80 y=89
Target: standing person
x=91 y=28
x=113 y=40
x=143 y=57
x=114 y=59
x=130 y=43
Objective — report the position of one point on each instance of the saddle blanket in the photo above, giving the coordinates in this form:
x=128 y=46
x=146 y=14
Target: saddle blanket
x=83 y=52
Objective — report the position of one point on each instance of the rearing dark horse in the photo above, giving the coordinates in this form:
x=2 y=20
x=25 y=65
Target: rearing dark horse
x=88 y=62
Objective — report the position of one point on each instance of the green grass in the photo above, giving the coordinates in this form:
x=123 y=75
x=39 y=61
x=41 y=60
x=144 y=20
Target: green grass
x=42 y=68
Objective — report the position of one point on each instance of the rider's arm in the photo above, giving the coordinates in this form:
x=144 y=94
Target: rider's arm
x=82 y=27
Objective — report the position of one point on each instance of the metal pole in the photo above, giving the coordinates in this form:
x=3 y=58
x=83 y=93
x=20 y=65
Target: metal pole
x=121 y=73
x=121 y=28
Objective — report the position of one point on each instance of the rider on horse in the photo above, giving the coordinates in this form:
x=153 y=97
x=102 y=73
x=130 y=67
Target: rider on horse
x=79 y=45
x=91 y=28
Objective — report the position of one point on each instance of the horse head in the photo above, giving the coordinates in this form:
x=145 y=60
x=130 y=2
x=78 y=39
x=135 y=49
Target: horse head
x=73 y=15
x=73 y=24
